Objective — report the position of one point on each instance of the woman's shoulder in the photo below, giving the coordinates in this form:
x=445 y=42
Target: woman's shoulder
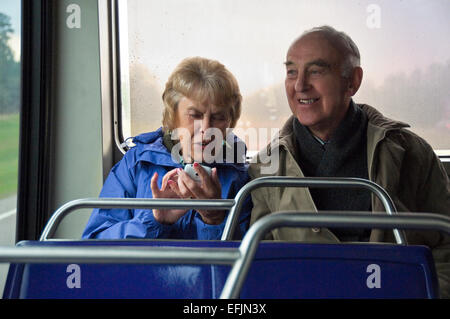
x=149 y=147
x=148 y=137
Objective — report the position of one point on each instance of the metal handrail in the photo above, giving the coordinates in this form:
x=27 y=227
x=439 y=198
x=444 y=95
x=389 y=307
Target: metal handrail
x=240 y=258
x=319 y=182
x=108 y=203
x=119 y=255
x=235 y=205
x=249 y=244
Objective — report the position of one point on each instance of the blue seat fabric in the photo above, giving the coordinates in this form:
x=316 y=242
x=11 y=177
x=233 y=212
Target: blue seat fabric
x=279 y=270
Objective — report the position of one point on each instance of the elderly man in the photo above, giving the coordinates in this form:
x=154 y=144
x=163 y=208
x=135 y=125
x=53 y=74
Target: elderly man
x=331 y=136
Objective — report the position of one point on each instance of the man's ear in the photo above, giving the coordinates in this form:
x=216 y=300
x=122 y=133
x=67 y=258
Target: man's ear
x=355 y=80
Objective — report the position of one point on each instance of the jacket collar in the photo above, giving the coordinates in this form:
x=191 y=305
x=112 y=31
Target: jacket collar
x=285 y=138
x=150 y=148
x=377 y=119
x=377 y=129
x=379 y=124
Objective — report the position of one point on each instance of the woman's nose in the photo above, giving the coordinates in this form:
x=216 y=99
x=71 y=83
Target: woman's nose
x=206 y=123
x=201 y=126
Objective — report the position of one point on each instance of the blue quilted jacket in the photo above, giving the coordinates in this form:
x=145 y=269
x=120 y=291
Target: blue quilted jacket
x=130 y=178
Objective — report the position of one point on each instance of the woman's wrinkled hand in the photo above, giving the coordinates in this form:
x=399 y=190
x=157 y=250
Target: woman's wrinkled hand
x=166 y=216
x=208 y=188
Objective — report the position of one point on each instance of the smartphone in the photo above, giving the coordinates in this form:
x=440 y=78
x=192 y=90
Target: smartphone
x=189 y=169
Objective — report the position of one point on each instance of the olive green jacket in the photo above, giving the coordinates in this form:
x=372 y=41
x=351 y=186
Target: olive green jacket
x=401 y=162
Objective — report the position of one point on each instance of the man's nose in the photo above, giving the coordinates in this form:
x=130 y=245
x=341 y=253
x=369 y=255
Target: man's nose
x=302 y=83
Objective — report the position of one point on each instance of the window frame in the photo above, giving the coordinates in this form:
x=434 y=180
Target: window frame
x=120 y=75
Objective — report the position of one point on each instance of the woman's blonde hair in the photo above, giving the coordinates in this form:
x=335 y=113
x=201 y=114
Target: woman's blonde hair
x=202 y=80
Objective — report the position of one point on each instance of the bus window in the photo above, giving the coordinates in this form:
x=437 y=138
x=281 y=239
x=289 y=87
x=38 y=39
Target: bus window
x=9 y=122
x=406 y=64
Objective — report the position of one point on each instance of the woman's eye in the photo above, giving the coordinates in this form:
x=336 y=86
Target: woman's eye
x=219 y=118
x=195 y=115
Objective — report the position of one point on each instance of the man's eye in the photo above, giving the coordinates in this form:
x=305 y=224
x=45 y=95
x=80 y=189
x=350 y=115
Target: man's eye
x=315 y=71
x=291 y=73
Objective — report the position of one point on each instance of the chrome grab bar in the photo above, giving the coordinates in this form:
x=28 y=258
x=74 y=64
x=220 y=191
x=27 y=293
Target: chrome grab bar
x=64 y=210
x=240 y=258
x=235 y=205
x=118 y=255
x=320 y=182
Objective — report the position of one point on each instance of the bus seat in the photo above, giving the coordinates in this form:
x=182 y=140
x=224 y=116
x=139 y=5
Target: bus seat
x=279 y=270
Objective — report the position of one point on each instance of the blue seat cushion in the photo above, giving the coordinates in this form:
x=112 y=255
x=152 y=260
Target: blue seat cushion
x=279 y=270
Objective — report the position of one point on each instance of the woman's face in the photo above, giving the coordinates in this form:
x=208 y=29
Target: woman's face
x=202 y=128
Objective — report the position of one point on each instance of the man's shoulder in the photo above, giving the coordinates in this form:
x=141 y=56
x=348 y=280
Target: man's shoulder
x=397 y=132
x=413 y=144
x=272 y=160
x=377 y=119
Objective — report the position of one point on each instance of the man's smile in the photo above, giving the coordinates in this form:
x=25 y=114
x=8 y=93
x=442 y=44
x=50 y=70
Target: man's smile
x=308 y=101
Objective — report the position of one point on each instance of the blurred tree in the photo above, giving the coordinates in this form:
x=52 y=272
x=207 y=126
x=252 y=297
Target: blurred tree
x=9 y=70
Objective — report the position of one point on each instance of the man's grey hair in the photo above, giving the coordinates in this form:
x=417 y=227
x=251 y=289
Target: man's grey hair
x=343 y=43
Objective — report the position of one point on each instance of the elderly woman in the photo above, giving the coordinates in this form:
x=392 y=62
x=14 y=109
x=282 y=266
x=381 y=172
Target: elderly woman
x=201 y=102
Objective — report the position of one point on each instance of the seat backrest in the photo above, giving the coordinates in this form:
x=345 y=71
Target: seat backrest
x=279 y=270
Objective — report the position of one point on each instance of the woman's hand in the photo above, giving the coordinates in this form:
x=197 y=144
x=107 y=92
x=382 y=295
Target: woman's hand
x=208 y=188
x=166 y=216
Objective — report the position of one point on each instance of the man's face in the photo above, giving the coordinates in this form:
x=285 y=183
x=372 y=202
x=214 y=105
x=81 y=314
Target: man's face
x=316 y=91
